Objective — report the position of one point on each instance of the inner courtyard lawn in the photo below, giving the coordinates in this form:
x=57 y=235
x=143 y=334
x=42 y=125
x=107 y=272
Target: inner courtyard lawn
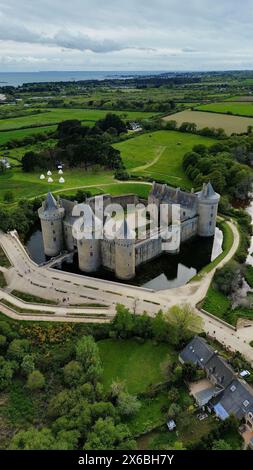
x=137 y=365
x=159 y=155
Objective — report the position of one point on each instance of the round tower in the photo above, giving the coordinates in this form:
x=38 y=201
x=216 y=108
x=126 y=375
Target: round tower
x=51 y=215
x=89 y=247
x=208 y=201
x=125 y=253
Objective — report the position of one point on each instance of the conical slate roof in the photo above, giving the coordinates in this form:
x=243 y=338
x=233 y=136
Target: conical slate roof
x=50 y=203
x=208 y=192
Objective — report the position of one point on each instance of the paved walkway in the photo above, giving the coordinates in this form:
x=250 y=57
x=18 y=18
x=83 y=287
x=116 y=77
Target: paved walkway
x=72 y=289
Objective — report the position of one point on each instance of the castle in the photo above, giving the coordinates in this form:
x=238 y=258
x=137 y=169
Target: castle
x=198 y=213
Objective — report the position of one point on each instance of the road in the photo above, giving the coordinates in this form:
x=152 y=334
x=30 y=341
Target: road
x=74 y=292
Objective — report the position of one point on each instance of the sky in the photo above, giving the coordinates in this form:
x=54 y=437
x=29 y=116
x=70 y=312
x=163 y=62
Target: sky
x=168 y=35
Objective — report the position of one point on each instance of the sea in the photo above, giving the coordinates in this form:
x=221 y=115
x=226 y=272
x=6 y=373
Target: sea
x=18 y=78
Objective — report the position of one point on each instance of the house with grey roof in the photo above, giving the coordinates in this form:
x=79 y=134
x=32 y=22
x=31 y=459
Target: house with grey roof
x=237 y=400
x=197 y=352
x=223 y=391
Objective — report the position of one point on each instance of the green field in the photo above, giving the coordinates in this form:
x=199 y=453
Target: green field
x=159 y=155
x=241 y=109
x=56 y=115
x=137 y=365
x=29 y=185
x=21 y=134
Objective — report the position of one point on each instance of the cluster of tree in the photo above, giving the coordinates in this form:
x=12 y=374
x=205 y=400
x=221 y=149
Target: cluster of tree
x=80 y=415
x=176 y=326
x=24 y=216
x=229 y=278
x=192 y=128
x=156 y=81
x=29 y=140
x=80 y=146
x=218 y=165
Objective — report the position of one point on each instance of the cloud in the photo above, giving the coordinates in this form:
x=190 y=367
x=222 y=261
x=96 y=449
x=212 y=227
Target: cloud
x=140 y=34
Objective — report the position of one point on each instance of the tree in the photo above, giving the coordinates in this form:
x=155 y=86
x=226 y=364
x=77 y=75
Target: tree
x=173 y=395
x=73 y=373
x=18 y=348
x=27 y=365
x=3 y=340
x=173 y=411
x=7 y=369
x=128 y=404
x=33 y=439
x=221 y=445
x=87 y=353
x=123 y=322
x=160 y=327
x=36 y=380
x=184 y=322
x=105 y=435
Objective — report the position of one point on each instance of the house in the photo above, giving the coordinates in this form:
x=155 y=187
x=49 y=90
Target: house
x=223 y=392
x=197 y=352
x=236 y=400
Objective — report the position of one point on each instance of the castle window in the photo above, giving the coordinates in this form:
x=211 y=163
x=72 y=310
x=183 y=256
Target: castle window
x=212 y=215
x=54 y=239
x=53 y=231
x=91 y=254
x=210 y=223
x=52 y=223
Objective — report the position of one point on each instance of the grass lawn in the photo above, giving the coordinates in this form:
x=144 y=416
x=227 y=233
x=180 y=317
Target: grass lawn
x=217 y=303
x=29 y=185
x=56 y=115
x=138 y=365
x=243 y=108
x=159 y=155
x=228 y=239
x=32 y=298
x=3 y=259
x=249 y=275
x=22 y=133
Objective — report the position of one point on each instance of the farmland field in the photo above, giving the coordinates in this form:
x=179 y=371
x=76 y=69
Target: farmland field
x=230 y=124
x=159 y=155
x=244 y=109
x=56 y=115
x=22 y=133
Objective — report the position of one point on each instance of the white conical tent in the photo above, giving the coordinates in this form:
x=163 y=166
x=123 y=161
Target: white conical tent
x=42 y=177
x=60 y=172
x=49 y=173
x=61 y=180
x=50 y=180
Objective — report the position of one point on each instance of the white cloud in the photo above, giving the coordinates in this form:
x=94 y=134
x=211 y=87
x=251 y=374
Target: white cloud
x=137 y=34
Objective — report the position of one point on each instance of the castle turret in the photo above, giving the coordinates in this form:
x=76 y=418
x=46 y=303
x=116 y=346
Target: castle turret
x=125 y=253
x=89 y=246
x=208 y=201
x=51 y=215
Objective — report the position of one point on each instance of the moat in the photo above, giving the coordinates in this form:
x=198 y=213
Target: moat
x=164 y=272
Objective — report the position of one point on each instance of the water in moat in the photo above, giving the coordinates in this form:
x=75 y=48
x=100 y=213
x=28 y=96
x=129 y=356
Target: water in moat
x=165 y=272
